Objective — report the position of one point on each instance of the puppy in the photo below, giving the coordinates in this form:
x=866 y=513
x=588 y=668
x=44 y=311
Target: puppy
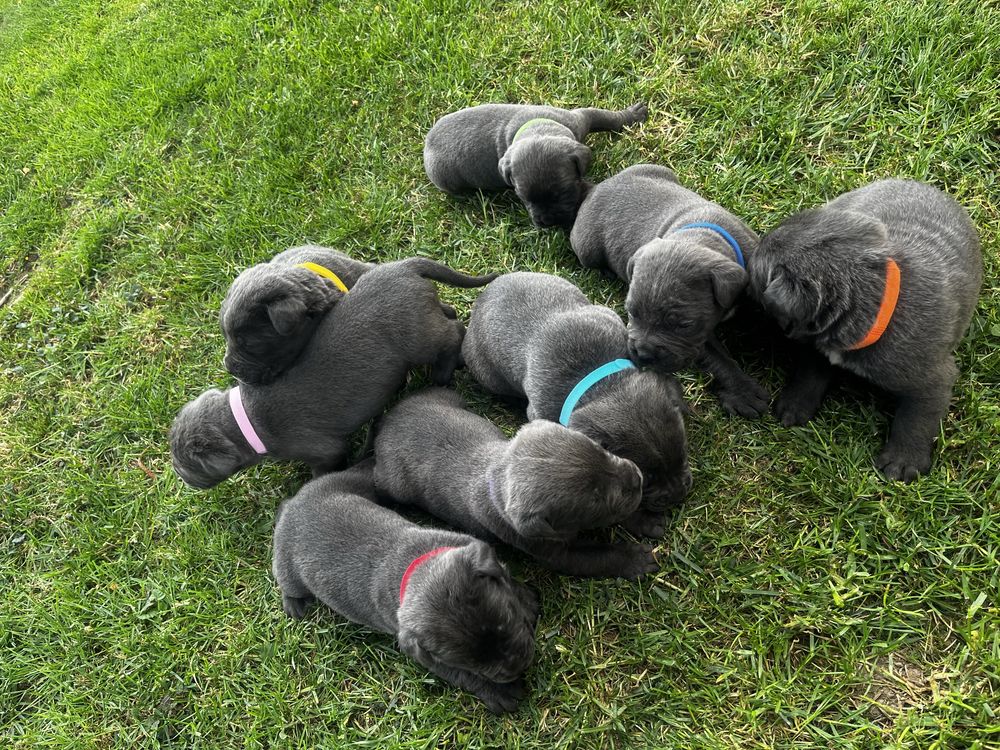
x=536 y=336
x=453 y=607
x=535 y=150
x=534 y=492
x=356 y=360
x=881 y=281
x=273 y=308
x=684 y=260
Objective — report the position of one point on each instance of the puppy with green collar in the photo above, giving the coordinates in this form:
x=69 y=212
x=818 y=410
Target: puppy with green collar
x=536 y=150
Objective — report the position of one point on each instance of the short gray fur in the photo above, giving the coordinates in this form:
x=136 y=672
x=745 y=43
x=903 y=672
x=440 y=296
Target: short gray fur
x=822 y=274
x=357 y=359
x=475 y=149
x=462 y=616
x=535 y=336
x=682 y=284
x=548 y=483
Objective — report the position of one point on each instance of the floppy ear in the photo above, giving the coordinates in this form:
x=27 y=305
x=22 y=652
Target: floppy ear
x=504 y=166
x=851 y=227
x=581 y=157
x=798 y=299
x=286 y=314
x=487 y=566
x=728 y=281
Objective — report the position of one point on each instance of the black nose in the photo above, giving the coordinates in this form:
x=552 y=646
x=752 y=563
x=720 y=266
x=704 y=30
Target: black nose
x=639 y=352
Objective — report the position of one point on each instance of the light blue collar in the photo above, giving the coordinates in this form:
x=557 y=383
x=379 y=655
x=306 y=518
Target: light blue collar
x=722 y=233
x=587 y=383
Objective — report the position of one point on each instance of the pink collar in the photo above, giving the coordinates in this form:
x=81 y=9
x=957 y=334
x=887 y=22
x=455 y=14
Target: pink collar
x=416 y=564
x=243 y=421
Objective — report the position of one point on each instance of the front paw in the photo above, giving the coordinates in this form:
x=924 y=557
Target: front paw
x=644 y=523
x=792 y=410
x=639 y=561
x=748 y=399
x=638 y=112
x=503 y=697
x=903 y=465
x=295 y=606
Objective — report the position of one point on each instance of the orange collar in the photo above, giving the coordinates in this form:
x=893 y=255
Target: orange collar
x=885 y=310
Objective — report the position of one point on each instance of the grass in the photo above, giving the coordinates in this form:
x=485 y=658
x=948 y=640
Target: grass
x=150 y=150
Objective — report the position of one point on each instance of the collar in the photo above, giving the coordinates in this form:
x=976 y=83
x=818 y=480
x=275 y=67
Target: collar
x=326 y=273
x=530 y=124
x=243 y=421
x=417 y=562
x=587 y=383
x=722 y=233
x=890 y=295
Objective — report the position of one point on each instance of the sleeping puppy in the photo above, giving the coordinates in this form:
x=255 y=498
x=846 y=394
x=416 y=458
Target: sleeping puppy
x=683 y=277
x=536 y=336
x=881 y=281
x=355 y=362
x=273 y=308
x=535 y=492
x=535 y=150
x=453 y=607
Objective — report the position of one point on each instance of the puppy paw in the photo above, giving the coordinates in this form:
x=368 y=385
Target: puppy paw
x=793 y=411
x=900 y=465
x=295 y=606
x=503 y=697
x=644 y=523
x=640 y=561
x=528 y=596
x=638 y=112
x=750 y=400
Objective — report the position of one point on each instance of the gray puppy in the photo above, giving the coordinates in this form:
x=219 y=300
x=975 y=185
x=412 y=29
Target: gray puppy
x=535 y=150
x=683 y=278
x=535 y=492
x=356 y=360
x=453 y=607
x=882 y=281
x=536 y=336
x=273 y=308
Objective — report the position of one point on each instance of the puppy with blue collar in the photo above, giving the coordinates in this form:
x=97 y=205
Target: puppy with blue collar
x=684 y=259
x=536 y=336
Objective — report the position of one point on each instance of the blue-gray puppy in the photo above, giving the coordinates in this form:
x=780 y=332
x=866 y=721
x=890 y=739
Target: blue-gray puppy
x=451 y=604
x=273 y=308
x=534 y=492
x=536 y=150
x=684 y=259
x=536 y=336
x=356 y=360
x=882 y=281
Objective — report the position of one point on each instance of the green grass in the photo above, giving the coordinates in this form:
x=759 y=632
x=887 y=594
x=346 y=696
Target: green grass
x=150 y=150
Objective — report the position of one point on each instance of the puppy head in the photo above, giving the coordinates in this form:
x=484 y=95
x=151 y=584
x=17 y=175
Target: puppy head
x=465 y=612
x=557 y=482
x=202 y=450
x=807 y=267
x=678 y=292
x=547 y=174
x=641 y=418
x=268 y=317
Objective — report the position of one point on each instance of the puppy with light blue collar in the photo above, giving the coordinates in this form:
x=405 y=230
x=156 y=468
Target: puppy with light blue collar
x=536 y=336
x=536 y=150
x=684 y=259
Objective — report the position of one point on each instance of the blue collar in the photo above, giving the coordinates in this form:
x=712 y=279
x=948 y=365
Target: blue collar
x=722 y=233
x=587 y=383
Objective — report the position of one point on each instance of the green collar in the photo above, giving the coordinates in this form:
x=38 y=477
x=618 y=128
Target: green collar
x=531 y=123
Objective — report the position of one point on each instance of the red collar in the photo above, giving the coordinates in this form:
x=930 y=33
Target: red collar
x=885 y=310
x=417 y=562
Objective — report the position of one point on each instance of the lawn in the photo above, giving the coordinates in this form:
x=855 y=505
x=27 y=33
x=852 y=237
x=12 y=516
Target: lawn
x=150 y=150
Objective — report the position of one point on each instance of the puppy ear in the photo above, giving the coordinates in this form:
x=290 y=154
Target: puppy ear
x=728 y=281
x=799 y=299
x=487 y=567
x=505 y=168
x=286 y=314
x=581 y=157
x=856 y=229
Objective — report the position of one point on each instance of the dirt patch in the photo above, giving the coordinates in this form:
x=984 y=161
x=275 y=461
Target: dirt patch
x=896 y=685
x=16 y=278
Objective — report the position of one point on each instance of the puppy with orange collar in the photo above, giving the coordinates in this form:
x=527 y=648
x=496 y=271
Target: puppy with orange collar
x=881 y=281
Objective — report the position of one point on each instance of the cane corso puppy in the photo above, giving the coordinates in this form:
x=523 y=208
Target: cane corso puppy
x=534 y=492
x=882 y=281
x=358 y=357
x=273 y=308
x=684 y=259
x=536 y=336
x=451 y=604
x=536 y=150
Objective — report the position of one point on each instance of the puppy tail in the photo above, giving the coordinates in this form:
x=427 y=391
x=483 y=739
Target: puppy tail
x=431 y=269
